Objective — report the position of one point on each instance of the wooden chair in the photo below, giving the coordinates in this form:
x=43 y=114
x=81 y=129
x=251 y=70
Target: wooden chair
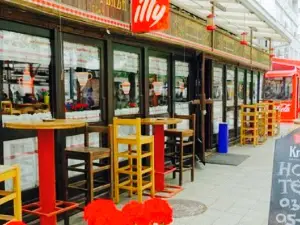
x=7 y=108
x=96 y=165
x=135 y=181
x=181 y=147
x=7 y=173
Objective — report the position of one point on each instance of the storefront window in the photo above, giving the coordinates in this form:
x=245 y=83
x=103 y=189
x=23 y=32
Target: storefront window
x=24 y=68
x=278 y=88
x=248 y=90
x=240 y=92
x=230 y=98
x=217 y=93
x=241 y=87
x=261 y=85
x=126 y=83
x=181 y=88
x=158 y=85
x=82 y=82
x=255 y=87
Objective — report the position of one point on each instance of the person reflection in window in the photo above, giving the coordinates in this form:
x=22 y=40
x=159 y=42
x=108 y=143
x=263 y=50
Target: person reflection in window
x=92 y=91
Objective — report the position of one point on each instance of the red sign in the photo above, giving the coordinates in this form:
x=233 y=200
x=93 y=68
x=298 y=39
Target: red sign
x=149 y=15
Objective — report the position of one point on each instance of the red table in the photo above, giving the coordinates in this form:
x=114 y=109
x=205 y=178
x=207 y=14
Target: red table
x=47 y=207
x=164 y=191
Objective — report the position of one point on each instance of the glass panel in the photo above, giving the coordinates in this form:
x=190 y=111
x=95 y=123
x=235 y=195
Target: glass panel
x=249 y=91
x=261 y=87
x=158 y=85
x=24 y=65
x=82 y=81
x=230 y=98
x=240 y=92
x=278 y=88
x=126 y=83
x=181 y=88
x=217 y=93
x=241 y=87
x=181 y=92
x=255 y=87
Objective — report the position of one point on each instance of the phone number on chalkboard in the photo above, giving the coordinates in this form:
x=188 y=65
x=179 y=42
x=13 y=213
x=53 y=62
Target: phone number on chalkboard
x=289 y=219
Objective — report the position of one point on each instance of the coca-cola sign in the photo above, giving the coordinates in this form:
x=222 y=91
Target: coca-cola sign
x=149 y=15
x=284 y=107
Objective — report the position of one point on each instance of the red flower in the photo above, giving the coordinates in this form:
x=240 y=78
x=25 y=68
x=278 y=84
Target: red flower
x=132 y=104
x=99 y=212
x=15 y=223
x=159 y=211
x=135 y=212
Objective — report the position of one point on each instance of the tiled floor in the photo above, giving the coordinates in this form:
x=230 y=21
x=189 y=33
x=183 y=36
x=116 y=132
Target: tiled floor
x=234 y=195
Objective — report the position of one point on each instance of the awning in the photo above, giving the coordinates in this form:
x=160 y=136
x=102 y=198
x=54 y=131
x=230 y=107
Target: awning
x=289 y=62
x=281 y=73
x=237 y=17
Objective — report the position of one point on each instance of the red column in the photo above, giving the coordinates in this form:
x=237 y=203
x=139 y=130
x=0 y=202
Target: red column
x=159 y=157
x=46 y=158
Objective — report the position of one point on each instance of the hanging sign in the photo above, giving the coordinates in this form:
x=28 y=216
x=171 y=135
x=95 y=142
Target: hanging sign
x=125 y=87
x=285 y=201
x=149 y=15
x=158 y=87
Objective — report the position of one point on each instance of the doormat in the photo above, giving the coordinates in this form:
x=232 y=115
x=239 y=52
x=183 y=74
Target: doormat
x=186 y=208
x=226 y=159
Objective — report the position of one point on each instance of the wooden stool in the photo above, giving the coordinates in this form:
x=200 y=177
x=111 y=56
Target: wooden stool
x=181 y=145
x=6 y=173
x=135 y=182
x=92 y=181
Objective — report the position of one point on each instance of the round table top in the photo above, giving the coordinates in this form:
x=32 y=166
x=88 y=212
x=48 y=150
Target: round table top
x=161 y=121
x=46 y=125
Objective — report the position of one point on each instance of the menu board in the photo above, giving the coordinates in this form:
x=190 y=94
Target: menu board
x=285 y=200
x=181 y=69
x=126 y=61
x=79 y=55
x=217 y=97
x=158 y=66
x=24 y=48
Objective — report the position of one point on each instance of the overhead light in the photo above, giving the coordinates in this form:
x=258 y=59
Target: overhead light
x=254 y=29
x=218 y=5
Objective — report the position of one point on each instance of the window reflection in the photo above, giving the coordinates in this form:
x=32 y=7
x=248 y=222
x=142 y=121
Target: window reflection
x=82 y=81
x=278 y=88
x=158 y=85
x=24 y=65
x=126 y=83
x=181 y=88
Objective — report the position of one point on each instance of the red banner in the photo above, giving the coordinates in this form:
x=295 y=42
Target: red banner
x=149 y=15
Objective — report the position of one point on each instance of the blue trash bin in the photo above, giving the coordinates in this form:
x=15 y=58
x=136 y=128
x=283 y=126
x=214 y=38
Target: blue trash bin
x=223 y=138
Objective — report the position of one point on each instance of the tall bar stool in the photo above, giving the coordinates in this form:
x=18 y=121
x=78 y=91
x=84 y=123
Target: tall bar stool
x=181 y=147
x=135 y=173
x=7 y=173
x=95 y=168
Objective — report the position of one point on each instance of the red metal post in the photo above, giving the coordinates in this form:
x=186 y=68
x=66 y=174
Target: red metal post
x=46 y=158
x=159 y=157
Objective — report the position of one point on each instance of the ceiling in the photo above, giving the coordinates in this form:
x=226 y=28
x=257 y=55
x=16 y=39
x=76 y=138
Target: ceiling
x=236 y=16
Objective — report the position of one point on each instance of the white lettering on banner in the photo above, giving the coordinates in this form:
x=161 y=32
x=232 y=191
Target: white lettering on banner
x=151 y=9
x=284 y=107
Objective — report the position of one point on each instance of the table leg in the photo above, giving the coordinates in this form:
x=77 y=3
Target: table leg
x=46 y=158
x=159 y=157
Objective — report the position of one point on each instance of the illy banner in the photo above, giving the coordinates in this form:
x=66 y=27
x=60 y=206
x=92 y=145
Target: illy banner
x=149 y=15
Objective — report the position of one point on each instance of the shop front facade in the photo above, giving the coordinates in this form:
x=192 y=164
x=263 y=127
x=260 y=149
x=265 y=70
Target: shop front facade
x=80 y=61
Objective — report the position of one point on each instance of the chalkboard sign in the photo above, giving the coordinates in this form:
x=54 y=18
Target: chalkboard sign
x=285 y=196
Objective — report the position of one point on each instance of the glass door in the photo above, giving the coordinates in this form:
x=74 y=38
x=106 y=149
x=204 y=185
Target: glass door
x=159 y=83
